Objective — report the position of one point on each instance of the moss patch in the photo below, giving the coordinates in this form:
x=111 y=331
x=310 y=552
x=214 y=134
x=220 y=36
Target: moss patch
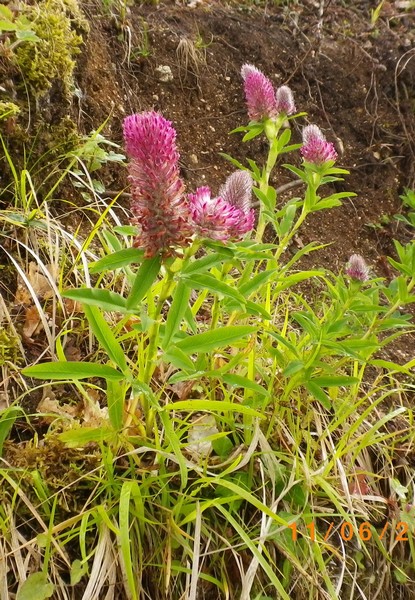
x=59 y=25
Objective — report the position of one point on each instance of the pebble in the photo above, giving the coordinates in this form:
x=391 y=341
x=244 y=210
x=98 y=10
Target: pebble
x=164 y=74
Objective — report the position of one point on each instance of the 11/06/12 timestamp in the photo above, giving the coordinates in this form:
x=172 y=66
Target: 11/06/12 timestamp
x=347 y=531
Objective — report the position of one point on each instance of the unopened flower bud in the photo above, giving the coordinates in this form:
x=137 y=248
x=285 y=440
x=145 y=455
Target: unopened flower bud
x=357 y=268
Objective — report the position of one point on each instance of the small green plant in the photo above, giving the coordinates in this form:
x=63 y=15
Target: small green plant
x=237 y=408
x=408 y=201
x=18 y=26
x=375 y=13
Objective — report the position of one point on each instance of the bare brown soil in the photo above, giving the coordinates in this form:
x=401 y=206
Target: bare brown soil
x=355 y=80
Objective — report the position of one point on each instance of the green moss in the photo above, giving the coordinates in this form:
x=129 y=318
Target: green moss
x=59 y=25
x=8 y=109
x=9 y=348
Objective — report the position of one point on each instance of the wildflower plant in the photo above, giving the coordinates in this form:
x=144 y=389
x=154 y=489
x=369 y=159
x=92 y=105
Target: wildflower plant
x=214 y=314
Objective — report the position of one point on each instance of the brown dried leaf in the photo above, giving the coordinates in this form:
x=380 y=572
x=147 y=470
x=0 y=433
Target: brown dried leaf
x=33 y=323
x=72 y=353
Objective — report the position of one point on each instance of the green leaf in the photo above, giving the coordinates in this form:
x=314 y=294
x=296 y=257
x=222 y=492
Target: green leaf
x=145 y=276
x=127 y=491
x=203 y=264
x=71 y=370
x=244 y=382
x=78 y=570
x=256 y=282
x=334 y=380
x=36 y=587
x=7 y=419
x=293 y=367
x=325 y=204
x=105 y=336
x=117 y=260
x=126 y=230
x=218 y=338
x=6 y=13
x=212 y=284
x=257 y=310
x=105 y=299
x=176 y=312
x=296 y=171
x=77 y=438
x=179 y=359
x=233 y=161
x=283 y=139
x=7 y=26
x=115 y=400
x=319 y=394
x=290 y=280
x=286 y=222
x=213 y=406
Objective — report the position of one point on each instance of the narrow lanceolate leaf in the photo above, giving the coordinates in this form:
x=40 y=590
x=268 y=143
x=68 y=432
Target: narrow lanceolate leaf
x=214 y=406
x=256 y=282
x=177 y=311
x=290 y=280
x=210 y=340
x=71 y=370
x=214 y=285
x=105 y=336
x=115 y=401
x=145 y=276
x=117 y=260
x=77 y=438
x=334 y=380
x=127 y=491
x=319 y=394
x=7 y=419
x=244 y=382
x=105 y=299
x=203 y=264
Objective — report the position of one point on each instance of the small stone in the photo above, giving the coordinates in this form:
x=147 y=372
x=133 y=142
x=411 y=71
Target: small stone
x=193 y=159
x=164 y=74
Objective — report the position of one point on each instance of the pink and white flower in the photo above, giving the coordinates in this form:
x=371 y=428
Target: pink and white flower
x=262 y=100
x=357 y=268
x=228 y=215
x=316 y=149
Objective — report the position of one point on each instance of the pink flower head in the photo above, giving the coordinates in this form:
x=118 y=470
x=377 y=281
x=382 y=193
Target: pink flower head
x=158 y=204
x=357 y=268
x=227 y=216
x=316 y=149
x=259 y=94
x=285 y=100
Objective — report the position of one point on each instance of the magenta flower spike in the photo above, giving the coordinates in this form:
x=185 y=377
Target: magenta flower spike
x=357 y=268
x=158 y=203
x=259 y=94
x=227 y=216
x=316 y=148
x=285 y=100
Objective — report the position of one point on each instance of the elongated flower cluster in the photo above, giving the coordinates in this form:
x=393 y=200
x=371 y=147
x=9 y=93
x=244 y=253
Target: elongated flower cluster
x=158 y=204
x=262 y=100
x=316 y=149
x=165 y=216
x=357 y=268
x=228 y=215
